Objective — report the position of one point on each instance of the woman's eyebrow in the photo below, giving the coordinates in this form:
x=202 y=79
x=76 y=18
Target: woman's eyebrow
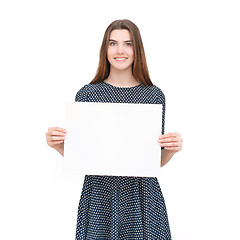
x=112 y=40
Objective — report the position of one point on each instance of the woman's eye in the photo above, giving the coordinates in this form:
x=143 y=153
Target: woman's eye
x=128 y=44
x=112 y=43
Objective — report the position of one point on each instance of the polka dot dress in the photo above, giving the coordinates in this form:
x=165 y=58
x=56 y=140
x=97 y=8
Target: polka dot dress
x=119 y=207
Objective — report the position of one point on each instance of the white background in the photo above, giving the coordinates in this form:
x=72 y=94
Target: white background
x=49 y=50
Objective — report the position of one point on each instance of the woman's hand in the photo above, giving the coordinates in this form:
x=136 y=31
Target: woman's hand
x=171 y=141
x=55 y=137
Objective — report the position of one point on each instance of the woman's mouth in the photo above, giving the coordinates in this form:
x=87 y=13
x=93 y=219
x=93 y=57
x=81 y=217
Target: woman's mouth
x=120 y=59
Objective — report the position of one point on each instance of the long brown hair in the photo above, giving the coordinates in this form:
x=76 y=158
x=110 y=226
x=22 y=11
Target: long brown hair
x=139 y=67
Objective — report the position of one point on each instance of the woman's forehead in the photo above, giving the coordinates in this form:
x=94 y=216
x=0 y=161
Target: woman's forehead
x=120 y=35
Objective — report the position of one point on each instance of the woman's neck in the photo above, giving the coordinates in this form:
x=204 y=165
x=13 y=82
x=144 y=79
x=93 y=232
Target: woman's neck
x=121 y=78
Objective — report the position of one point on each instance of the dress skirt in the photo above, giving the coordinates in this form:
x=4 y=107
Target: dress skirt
x=117 y=207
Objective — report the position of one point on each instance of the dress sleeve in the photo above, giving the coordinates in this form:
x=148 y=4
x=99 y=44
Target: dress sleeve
x=163 y=113
x=81 y=95
x=163 y=102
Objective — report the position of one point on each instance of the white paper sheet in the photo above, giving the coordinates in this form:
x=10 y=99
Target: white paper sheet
x=118 y=139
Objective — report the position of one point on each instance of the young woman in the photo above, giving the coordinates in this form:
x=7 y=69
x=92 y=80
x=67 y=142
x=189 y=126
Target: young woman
x=120 y=207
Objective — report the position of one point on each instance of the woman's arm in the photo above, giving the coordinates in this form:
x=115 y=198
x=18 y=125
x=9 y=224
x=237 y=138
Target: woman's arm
x=166 y=155
x=172 y=143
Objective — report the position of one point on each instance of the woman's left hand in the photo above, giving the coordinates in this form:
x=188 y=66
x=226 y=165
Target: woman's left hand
x=171 y=141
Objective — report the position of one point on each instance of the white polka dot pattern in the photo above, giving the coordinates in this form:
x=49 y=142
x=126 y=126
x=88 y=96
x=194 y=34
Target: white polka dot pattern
x=117 y=207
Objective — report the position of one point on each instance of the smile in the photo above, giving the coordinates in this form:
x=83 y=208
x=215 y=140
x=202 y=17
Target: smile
x=120 y=59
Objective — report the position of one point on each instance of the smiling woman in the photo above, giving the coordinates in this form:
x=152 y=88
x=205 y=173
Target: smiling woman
x=120 y=52
x=122 y=39
x=122 y=207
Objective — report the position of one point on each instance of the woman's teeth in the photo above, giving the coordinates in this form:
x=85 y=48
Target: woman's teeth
x=120 y=59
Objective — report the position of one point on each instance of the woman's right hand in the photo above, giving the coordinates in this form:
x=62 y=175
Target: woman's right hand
x=55 y=137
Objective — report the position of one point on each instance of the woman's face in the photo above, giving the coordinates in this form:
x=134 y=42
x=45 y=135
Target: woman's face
x=120 y=51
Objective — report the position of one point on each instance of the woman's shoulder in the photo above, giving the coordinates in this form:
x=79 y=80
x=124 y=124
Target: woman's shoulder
x=156 y=91
x=83 y=92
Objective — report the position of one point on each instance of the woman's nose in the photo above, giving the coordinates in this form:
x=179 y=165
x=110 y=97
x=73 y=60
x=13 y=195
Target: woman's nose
x=120 y=49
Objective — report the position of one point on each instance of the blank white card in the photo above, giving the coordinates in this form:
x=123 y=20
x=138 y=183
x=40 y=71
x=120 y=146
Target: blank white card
x=118 y=139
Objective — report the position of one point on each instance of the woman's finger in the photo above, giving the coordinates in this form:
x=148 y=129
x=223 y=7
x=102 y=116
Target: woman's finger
x=170 y=144
x=56 y=142
x=53 y=138
x=169 y=135
x=57 y=133
x=176 y=149
x=57 y=129
x=169 y=139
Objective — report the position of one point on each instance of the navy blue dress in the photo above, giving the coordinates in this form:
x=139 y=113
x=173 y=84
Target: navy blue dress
x=120 y=207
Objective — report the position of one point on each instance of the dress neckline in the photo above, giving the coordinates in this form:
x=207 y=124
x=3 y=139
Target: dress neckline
x=121 y=87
